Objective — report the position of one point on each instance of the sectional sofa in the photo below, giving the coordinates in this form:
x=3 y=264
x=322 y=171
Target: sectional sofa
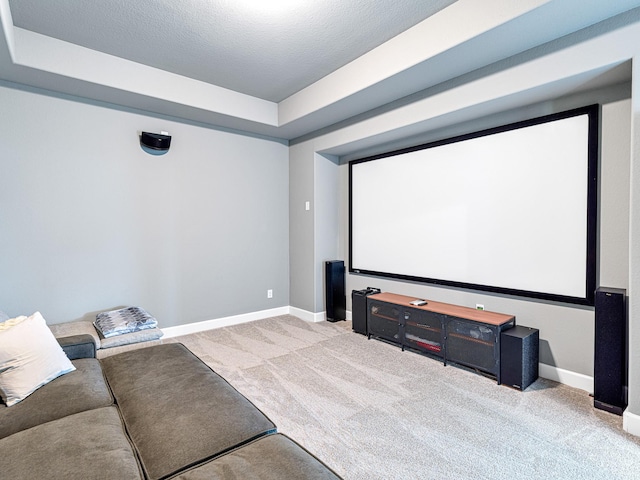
x=151 y=413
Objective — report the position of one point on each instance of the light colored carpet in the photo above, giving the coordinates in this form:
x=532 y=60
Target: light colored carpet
x=371 y=411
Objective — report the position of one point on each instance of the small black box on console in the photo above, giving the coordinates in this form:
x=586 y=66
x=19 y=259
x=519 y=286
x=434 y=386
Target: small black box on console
x=359 y=309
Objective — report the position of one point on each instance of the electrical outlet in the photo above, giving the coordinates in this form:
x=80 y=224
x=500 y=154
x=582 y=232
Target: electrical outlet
x=479 y=306
x=269 y=293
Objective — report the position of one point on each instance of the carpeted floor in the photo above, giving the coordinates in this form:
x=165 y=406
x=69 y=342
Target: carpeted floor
x=371 y=411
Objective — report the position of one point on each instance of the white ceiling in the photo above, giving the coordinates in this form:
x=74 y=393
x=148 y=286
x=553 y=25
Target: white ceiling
x=283 y=71
x=244 y=45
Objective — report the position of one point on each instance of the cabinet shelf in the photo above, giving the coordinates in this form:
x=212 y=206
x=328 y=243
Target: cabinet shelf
x=425 y=327
x=385 y=317
x=470 y=339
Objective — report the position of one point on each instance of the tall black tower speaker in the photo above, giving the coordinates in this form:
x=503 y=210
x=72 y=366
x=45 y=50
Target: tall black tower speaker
x=610 y=370
x=519 y=356
x=335 y=296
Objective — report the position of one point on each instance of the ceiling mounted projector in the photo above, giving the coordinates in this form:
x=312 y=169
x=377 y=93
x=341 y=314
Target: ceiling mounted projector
x=156 y=141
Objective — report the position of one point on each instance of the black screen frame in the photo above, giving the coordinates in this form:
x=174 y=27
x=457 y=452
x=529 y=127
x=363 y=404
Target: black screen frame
x=593 y=113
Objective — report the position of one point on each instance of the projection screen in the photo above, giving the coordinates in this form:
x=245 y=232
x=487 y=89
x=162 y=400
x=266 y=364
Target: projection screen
x=509 y=210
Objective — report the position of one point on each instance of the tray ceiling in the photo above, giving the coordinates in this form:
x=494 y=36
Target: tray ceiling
x=283 y=70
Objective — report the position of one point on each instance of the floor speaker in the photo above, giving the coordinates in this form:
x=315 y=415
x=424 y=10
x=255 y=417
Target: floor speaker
x=335 y=296
x=519 y=356
x=610 y=352
x=359 y=309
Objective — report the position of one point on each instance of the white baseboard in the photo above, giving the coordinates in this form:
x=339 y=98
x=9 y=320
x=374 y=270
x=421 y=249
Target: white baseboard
x=307 y=315
x=631 y=423
x=178 y=330
x=566 y=377
x=349 y=315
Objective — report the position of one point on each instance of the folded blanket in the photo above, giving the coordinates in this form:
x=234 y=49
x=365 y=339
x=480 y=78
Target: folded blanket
x=125 y=320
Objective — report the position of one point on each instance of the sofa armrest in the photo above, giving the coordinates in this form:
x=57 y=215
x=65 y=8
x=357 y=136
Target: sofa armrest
x=78 y=346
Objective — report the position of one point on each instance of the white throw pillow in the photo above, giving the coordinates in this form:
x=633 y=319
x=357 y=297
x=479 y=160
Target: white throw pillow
x=30 y=357
x=10 y=322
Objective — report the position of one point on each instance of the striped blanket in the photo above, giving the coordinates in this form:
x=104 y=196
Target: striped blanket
x=125 y=320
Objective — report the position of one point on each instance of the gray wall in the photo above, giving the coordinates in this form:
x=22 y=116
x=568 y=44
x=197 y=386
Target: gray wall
x=328 y=206
x=301 y=237
x=88 y=221
x=633 y=420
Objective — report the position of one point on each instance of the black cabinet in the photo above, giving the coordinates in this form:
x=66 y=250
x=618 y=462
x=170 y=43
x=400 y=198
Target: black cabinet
x=408 y=327
x=452 y=333
x=384 y=320
x=423 y=331
x=473 y=344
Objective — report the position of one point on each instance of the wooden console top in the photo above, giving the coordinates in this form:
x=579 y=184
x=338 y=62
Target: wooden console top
x=466 y=313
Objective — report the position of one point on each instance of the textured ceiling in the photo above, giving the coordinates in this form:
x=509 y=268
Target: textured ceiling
x=253 y=47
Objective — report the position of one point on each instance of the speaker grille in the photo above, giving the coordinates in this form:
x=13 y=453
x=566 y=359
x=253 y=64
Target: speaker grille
x=519 y=356
x=610 y=352
x=335 y=296
x=155 y=141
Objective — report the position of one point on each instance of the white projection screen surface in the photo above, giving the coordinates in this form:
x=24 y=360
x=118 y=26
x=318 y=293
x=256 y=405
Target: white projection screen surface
x=509 y=210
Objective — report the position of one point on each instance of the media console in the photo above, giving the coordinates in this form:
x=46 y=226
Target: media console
x=452 y=333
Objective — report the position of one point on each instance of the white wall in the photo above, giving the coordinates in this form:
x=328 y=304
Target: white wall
x=89 y=221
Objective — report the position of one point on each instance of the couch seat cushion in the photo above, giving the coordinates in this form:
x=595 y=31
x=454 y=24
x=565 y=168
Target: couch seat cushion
x=274 y=457
x=83 y=389
x=84 y=446
x=177 y=411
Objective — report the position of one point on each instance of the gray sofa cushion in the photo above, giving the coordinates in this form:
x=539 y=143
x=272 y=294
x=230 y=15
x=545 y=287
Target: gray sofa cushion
x=89 y=445
x=79 y=327
x=177 y=411
x=78 y=346
x=274 y=457
x=80 y=390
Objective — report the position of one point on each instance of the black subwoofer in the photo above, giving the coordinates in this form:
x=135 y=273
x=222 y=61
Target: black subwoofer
x=610 y=353
x=335 y=296
x=359 y=309
x=519 y=356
